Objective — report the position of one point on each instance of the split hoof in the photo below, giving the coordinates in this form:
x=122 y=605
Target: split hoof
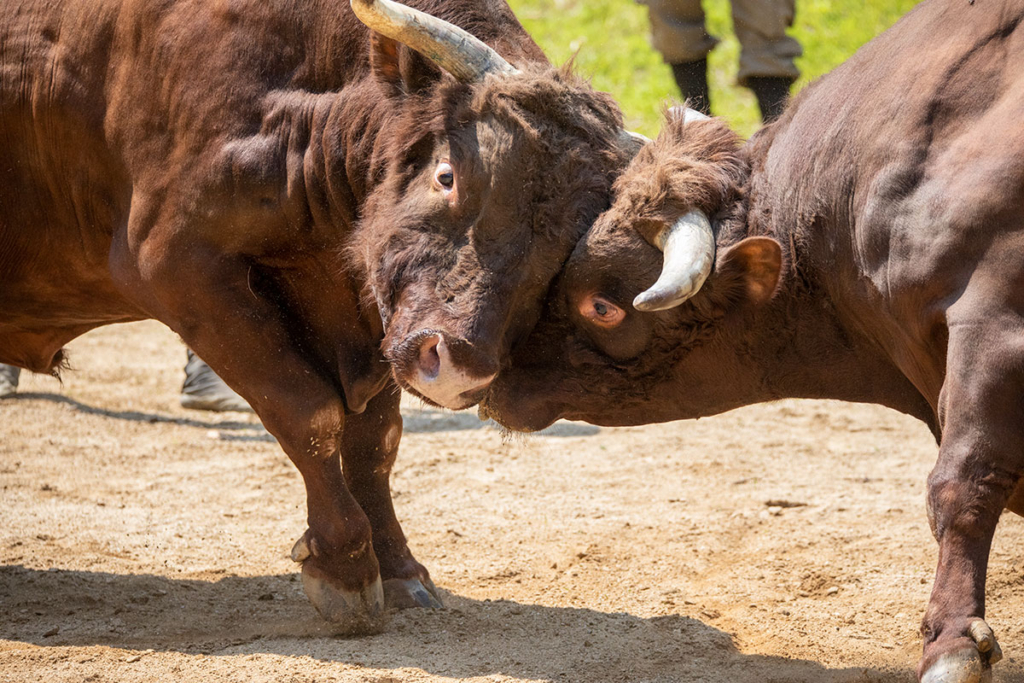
x=408 y=593
x=351 y=612
x=959 y=666
x=967 y=664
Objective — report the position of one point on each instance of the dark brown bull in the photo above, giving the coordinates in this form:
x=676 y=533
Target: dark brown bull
x=300 y=199
x=867 y=247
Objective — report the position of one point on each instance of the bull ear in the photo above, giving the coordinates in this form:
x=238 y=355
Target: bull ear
x=400 y=70
x=750 y=269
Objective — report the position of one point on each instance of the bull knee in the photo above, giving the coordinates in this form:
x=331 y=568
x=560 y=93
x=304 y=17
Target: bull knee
x=968 y=506
x=392 y=435
x=308 y=432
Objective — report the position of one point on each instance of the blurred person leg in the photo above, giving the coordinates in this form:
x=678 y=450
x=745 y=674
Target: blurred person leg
x=679 y=34
x=767 y=54
x=205 y=390
x=8 y=380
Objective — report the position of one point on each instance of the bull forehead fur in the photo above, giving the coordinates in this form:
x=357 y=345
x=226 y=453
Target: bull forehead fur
x=544 y=111
x=698 y=165
x=534 y=158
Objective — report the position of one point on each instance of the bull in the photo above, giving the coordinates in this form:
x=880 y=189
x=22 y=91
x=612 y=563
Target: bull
x=868 y=247
x=327 y=204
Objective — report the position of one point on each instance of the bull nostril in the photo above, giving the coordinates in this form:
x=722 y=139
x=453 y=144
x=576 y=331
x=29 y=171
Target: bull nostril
x=430 y=360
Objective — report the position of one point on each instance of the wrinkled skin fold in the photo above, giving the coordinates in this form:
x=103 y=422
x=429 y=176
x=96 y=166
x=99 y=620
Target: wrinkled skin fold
x=869 y=247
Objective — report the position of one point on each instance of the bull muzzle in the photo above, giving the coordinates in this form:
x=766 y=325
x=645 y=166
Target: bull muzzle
x=444 y=370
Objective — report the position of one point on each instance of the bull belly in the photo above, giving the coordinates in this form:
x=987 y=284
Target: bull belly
x=41 y=313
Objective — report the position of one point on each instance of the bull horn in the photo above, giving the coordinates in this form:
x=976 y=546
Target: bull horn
x=632 y=141
x=689 y=248
x=459 y=53
x=687 y=114
x=634 y=137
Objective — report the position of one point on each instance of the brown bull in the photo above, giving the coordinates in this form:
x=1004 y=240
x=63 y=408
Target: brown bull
x=867 y=247
x=301 y=199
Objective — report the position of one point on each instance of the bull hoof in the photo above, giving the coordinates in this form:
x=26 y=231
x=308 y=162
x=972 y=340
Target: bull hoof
x=408 y=593
x=961 y=666
x=969 y=664
x=351 y=612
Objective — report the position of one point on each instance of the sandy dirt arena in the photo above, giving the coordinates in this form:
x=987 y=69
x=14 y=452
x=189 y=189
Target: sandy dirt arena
x=785 y=542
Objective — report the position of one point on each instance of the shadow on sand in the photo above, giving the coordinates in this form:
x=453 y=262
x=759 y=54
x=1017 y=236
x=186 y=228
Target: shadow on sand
x=424 y=420
x=269 y=614
x=416 y=420
x=136 y=415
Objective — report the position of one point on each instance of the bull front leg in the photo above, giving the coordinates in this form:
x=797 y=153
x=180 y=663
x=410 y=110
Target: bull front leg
x=368 y=450
x=979 y=466
x=205 y=297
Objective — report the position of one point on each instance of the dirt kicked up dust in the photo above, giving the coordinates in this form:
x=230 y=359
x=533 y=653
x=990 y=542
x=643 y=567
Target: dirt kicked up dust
x=785 y=542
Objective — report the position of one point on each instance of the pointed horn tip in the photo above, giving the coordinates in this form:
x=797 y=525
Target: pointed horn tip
x=687 y=114
x=662 y=298
x=636 y=137
x=651 y=302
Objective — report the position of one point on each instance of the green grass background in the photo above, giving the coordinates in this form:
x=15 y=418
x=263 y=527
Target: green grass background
x=610 y=39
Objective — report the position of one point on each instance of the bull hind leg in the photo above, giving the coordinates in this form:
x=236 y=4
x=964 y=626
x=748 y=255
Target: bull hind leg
x=979 y=467
x=368 y=451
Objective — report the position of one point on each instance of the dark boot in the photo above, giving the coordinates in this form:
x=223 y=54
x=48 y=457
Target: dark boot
x=204 y=390
x=772 y=95
x=692 y=79
x=8 y=380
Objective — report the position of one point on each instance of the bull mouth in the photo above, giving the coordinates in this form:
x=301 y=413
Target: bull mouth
x=517 y=421
x=465 y=400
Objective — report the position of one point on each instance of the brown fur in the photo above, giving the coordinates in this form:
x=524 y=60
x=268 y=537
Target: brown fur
x=869 y=248
x=700 y=165
x=257 y=174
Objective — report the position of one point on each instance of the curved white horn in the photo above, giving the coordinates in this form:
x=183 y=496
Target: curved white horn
x=456 y=51
x=689 y=248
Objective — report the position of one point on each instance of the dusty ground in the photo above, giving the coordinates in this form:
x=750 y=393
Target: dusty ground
x=788 y=542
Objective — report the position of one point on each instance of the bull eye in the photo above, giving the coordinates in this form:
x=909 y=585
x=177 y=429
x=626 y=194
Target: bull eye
x=601 y=311
x=444 y=176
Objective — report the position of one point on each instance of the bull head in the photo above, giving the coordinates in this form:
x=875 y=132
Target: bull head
x=459 y=250
x=459 y=53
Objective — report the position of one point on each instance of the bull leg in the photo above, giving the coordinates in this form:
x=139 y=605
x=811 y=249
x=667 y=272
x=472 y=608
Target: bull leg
x=9 y=380
x=246 y=340
x=368 y=450
x=978 y=469
x=1016 y=502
